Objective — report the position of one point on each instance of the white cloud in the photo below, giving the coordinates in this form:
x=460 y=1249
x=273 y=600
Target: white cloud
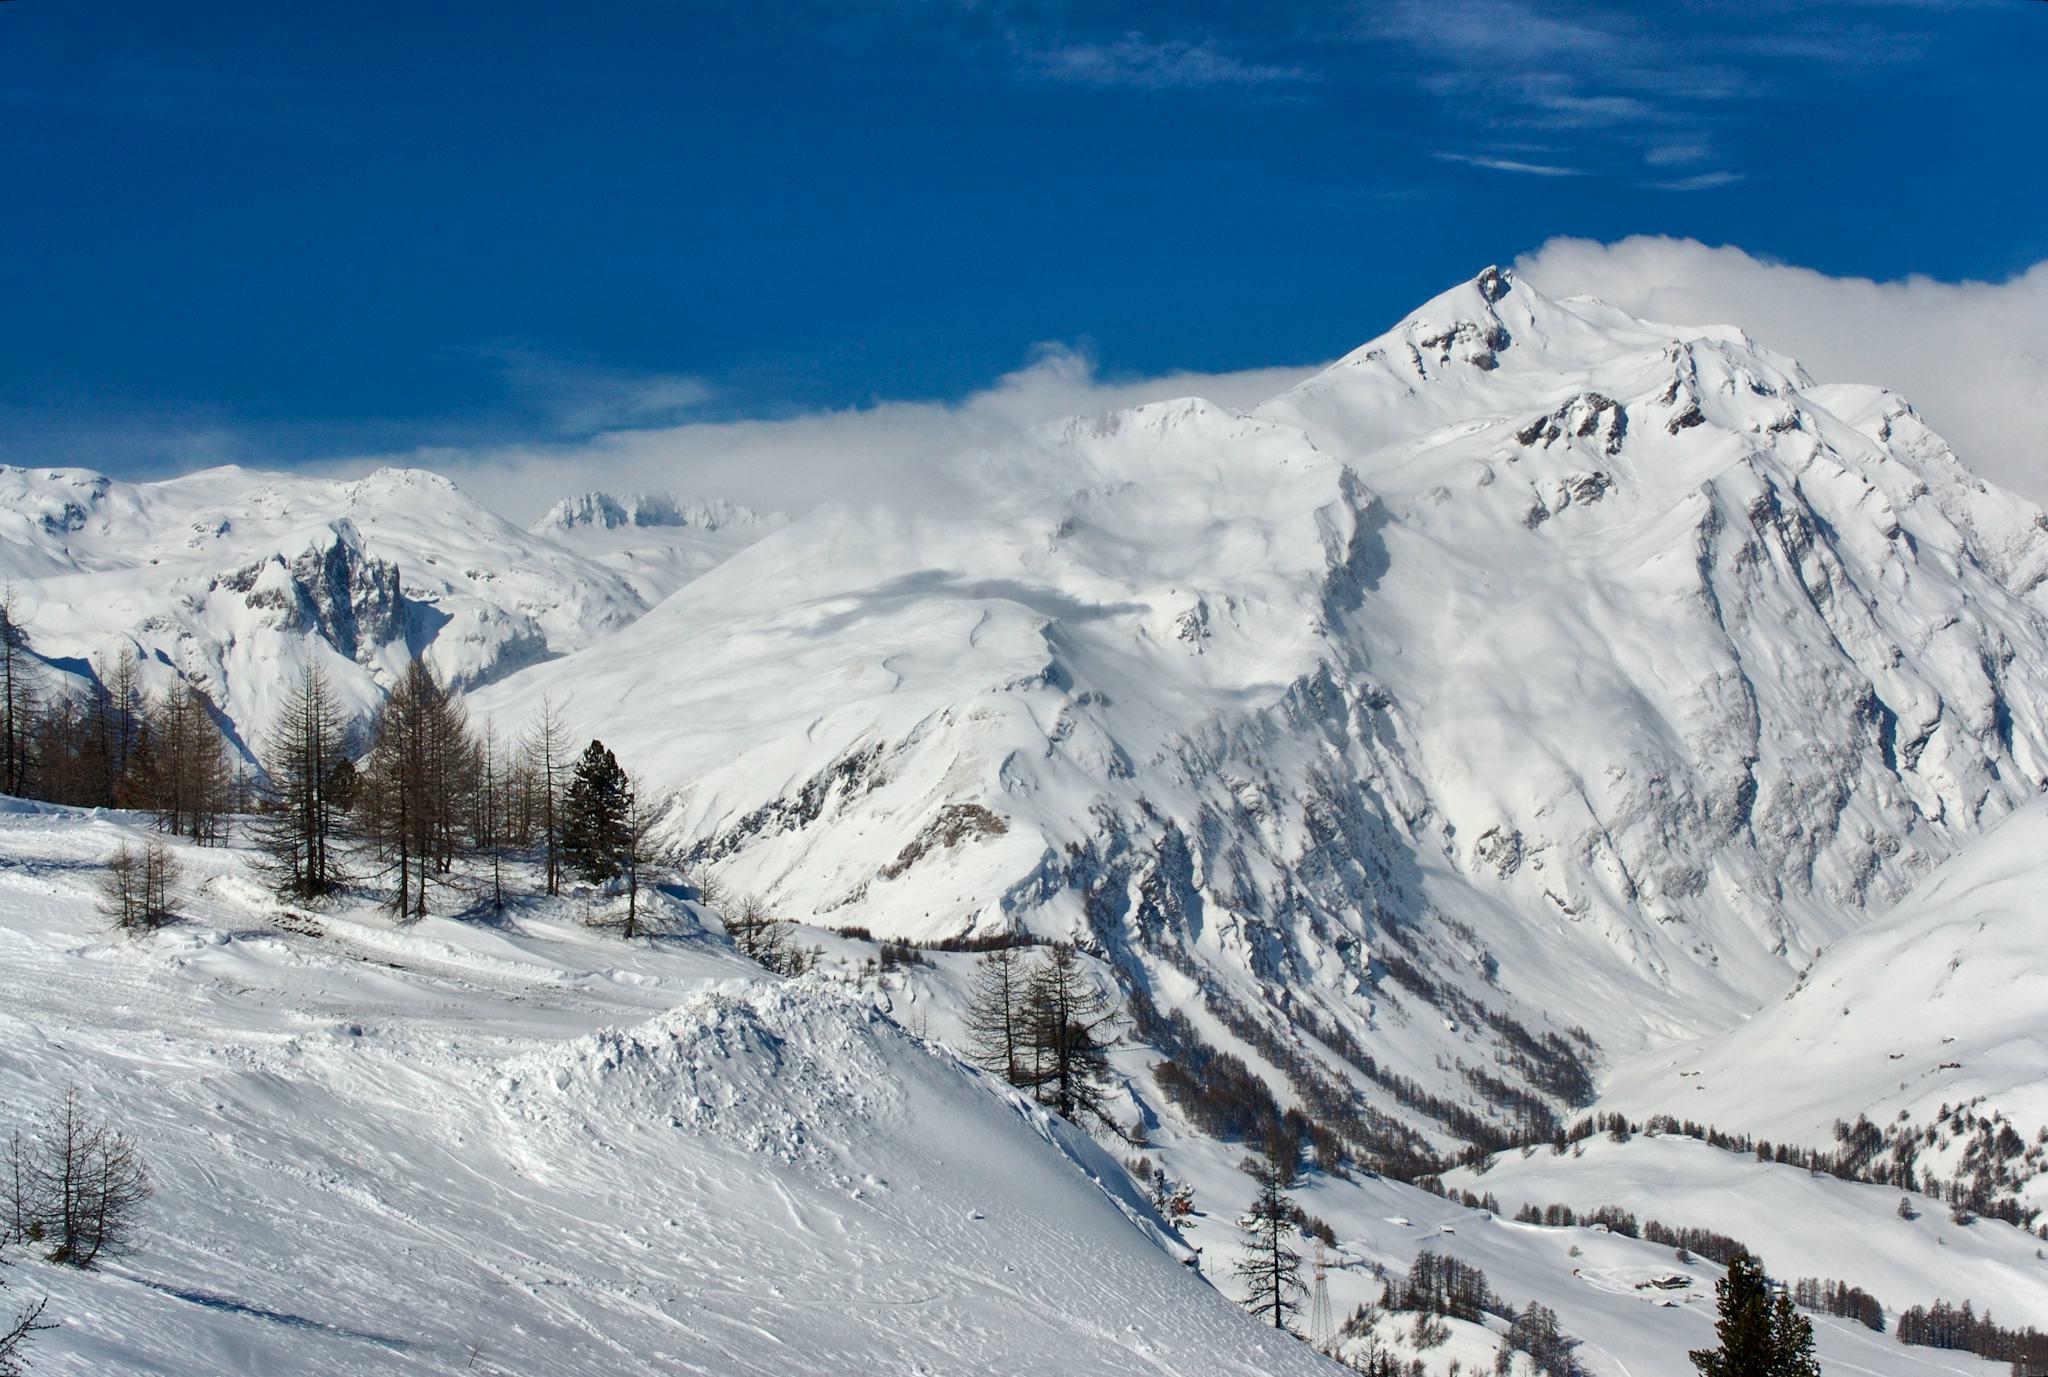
x=1972 y=356
x=580 y=399
x=1512 y=165
x=1149 y=64
x=791 y=463
x=1623 y=83
x=1699 y=181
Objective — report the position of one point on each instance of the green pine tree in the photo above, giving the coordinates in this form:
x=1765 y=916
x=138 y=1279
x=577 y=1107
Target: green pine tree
x=1761 y=1335
x=595 y=812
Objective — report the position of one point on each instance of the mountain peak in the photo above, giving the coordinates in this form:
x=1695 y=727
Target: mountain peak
x=610 y=511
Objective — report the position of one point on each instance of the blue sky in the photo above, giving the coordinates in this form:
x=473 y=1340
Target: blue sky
x=282 y=232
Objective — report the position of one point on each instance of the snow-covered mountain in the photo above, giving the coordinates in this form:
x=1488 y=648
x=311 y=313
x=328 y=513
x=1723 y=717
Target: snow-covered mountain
x=609 y=512
x=656 y=541
x=230 y=578
x=1510 y=711
x=1531 y=685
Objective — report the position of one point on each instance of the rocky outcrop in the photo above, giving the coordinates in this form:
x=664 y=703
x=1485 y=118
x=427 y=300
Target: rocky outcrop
x=332 y=589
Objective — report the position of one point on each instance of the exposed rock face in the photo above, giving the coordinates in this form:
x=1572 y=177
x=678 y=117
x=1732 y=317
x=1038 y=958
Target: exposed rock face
x=332 y=589
x=956 y=823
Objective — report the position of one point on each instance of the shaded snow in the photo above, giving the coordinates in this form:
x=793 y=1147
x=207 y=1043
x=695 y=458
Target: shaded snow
x=1937 y=1003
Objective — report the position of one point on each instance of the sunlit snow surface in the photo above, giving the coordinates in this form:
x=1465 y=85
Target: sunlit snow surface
x=1939 y=1002
x=1602 y=671
x=378 y=1146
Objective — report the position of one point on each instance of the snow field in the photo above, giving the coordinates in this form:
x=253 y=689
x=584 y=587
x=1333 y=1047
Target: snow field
x=377 y=1147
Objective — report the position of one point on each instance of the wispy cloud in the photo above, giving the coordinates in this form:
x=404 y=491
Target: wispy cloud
x=582 y=399
x=1973 y=356
x=1677 y=154
x=1628 y=85
x=1510 y=165
x=1136 y=61
x=1699 y=181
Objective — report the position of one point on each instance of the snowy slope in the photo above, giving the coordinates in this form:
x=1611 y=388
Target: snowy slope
x=1802 y=1225
x=376 y=1146
x=1597 y=1282
x=1531 y=667
x=231 y=578
x=656 y=541
x=1937 y=1004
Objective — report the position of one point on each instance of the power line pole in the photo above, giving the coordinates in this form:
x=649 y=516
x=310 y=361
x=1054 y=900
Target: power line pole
x=1322 y=1328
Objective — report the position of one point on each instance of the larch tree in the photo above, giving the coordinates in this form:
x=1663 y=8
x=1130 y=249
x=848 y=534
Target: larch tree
x=415 y=787
x=303 y=753
x=63 y=761
x=188 y=787
x=638 y=854
x=546 y=749
x=121 y=888
x=76 y=1188
x=997 y=1025
x=121 y=706
x=1269 y=1268
x=136 y=889
x=81 y=741
x=490 y=809
x=20 y=695
x=1071 y=1022
x=758 y=934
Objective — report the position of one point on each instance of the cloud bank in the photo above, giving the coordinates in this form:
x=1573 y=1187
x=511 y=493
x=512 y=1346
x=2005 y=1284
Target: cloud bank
x=892 y=449
x=1971 y=356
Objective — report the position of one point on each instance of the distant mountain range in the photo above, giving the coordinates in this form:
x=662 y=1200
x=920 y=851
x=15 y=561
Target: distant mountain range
x=1534 y=687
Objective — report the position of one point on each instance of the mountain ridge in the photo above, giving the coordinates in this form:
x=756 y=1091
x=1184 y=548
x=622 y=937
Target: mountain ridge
x=1530 y=687
x=1528 y=659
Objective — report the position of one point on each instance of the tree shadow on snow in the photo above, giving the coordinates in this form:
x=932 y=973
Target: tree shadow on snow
x=229 y=1305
